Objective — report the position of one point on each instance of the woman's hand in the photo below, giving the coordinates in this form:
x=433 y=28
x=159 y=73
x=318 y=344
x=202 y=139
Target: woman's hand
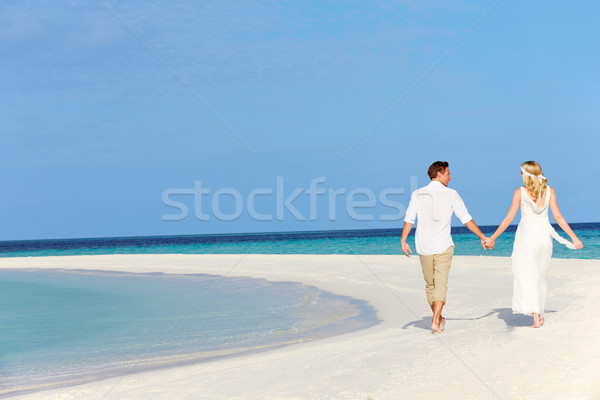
x=577 y=243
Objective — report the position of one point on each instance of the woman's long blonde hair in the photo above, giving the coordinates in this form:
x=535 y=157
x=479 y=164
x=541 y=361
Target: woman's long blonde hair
x=535 y=186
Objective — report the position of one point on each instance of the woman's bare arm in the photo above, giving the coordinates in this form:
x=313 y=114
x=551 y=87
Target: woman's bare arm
x=562 y=222
x=510 y=216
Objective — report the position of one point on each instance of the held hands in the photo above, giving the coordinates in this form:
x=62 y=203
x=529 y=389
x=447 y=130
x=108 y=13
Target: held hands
x=578 y=244
x=488 y=243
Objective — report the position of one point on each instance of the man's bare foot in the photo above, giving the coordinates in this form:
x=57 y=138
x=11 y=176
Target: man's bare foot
x=443 y=323
x=437 y=328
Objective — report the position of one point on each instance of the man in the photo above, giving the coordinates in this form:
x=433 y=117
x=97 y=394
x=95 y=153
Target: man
x=433 y=205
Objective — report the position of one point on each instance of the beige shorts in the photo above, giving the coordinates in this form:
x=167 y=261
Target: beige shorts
x=435 y=271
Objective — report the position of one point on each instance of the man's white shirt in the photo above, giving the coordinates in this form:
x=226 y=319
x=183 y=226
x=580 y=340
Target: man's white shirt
x=434 y=205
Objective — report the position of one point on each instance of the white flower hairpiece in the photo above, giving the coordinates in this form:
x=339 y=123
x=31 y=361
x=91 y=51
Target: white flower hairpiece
x=540 y=176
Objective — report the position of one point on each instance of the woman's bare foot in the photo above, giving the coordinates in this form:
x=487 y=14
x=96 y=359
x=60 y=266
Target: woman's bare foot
x=537 y=321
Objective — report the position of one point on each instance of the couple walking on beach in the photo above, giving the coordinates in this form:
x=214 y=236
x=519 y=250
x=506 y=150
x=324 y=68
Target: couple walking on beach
x=433 y=206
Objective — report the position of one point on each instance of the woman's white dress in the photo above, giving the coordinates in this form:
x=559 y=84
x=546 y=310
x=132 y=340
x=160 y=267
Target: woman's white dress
x=531 y=255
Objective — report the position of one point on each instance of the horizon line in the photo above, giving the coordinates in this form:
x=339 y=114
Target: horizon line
x=482 y=227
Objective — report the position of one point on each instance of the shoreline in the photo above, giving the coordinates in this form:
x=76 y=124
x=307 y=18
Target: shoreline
x=486 y=350
x=356 y=316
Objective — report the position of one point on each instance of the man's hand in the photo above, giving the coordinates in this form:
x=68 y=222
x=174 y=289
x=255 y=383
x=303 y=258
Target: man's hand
x=405 y=231
x=406 y=249
x=483 y=240
x=475 y=229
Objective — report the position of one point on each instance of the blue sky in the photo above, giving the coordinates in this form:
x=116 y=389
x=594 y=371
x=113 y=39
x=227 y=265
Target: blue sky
x=106 y=106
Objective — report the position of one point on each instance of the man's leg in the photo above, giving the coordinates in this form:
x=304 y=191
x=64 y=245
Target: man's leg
x=437 y=322
x=427 y=263
x=427 y=266
x=441 y=269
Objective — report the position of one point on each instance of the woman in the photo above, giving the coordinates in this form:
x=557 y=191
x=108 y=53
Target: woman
x=532 y=249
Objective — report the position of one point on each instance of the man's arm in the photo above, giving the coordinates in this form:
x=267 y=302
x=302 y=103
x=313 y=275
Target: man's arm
x=475 y=229
x=409 y=220
x=462 y=213
x=405 y=231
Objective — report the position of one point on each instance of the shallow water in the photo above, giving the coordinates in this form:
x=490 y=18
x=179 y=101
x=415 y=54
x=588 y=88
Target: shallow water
x=59 y=325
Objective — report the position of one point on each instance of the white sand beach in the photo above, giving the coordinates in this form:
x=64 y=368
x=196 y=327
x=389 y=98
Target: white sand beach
x=485 y=353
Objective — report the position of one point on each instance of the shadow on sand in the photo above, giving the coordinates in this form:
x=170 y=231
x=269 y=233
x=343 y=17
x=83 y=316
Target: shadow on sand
x=511 y=320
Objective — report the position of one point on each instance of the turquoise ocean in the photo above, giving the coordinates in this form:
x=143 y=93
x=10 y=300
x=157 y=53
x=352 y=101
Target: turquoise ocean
x=366 y=241
x=60 y=327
